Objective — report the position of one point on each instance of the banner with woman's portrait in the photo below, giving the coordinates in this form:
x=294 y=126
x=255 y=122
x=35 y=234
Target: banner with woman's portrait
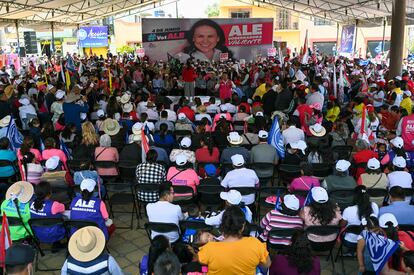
x=207 y=39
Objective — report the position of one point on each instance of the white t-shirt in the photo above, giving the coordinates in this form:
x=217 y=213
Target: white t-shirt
x=350 y=215
x=379 y=95
x=165 y=212
x=241 y=177
x=399 y=178
x=199 y=117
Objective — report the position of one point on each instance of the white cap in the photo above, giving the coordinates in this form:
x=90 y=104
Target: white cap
x=24 y=101
x=300 y=144
x=387 y=217
x=237 y=160
x=52 y=163
x=342 y=165
x=83 y=116
x=373 y=164
x=263 y=134
x=224 y=108
x=407 y=93
x=399 y=78
x=397 y=142
x=59 y=94
x=399 y=162
x=185 y=142
x=100 y=113
x=182 y=116
x=181 y=159
x=319 y=194
x=373 y=85
x=291 y=202
x=137 y=127
x=232 y=196
x=88 y=184
x=259 y=114
x=50 y=87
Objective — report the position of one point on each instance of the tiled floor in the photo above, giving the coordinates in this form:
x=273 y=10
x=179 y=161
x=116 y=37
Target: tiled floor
x=128 y=247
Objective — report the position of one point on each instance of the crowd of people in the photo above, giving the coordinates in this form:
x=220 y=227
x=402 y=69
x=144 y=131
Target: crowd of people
x=68 y=124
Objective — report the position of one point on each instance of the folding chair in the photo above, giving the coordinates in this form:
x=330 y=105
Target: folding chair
x=122 y=194
x=288 y=172
x=44 y=224
x=342 y=152
x=351 y=229
x=75 y=165
x=143 y=188
x=106 y=164
x=265 y=192
x=209 y=195
x=324 y=230
x=127 y=170
x=378 y=194
x=406 y=227
x=264 y=168
x=162 y=228
x=343 y=197
x=239 y=126
x=280 y=233
x=73 y=225
x=322 y=170
x=195 y=225
x=183 y=195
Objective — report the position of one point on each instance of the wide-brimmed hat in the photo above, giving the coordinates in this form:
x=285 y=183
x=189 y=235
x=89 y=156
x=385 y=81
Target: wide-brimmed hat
x=111 y=126
x=234 y=138
x=71 y=98
x=125 y=98
x=127 y=107
x=137 y=128
x=22 y=190
x=317 y=130
x=86 y=244
x=5 y=121
x=8 y=91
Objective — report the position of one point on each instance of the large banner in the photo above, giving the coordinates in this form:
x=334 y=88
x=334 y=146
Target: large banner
x=93 y=36
x=207 y=39
x=347 y=40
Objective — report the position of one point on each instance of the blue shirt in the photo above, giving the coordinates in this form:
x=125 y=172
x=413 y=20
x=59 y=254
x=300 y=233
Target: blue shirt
x=167 y=141
x=162 y=154
x=10 y=155
x=72 y=113
x=402 y=210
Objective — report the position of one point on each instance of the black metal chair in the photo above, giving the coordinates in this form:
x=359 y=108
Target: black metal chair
x=245 y=191
x=160 y=227
x=406 y=227
x=288 y=172
x=264 y=168
x=106 y=164
x=127 y=170
x=378 y=194
x=13 y=221
x=73 y=225
x=182 y=133
x=183 y=194
x=351 y=229
x=122 y=194
x=342 y=152
x=195 y=225
x=209 y=195
x=76 y=165
x=281 y=234
x=265 y=192
x=143 y=188
x=322 y=170
x=42 y=223
x=343 y=197
x=239 y=126
x=328 y=246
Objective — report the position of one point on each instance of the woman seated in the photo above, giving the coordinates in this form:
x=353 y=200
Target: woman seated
x=9 y=155
x=305 y=182
x=208 y=153
x=106 y=153
x=51 y=150
x=163 y=138
x=181 y=174
x=298 y=258
x=31 y=171
x=28 y=146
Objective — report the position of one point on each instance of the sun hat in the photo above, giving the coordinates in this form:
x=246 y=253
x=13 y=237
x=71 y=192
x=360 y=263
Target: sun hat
x=233 y=197
x=300 y=144
x=385 y=218
x=182 y=116
x=134 y=138
x=317 y=130
x=5 y=121
x=86 y=244
x=22 y=190
x=52 y=163
x=60 y=94
x=185 y=142
x=397 y=142
x=399 y=162
x=19 y=254
x=210 y=169
x=88 y=184
x=237 y=160
x=319 y=194
x=71 y=98
x=291 y=202
x=373 y=164
x=181 y=159
x=125 y=98
x=342 y=165
x=234 y=138
x=111 y=126
x=127 y=107
x=263 y=134
x=136 y=128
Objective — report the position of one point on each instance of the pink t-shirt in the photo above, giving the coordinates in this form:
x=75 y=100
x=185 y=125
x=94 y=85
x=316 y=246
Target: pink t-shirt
x=108 y=154
x=303 y=183
x=48 y=153
x=187 y=177
x=57 y=208
x=35 y=152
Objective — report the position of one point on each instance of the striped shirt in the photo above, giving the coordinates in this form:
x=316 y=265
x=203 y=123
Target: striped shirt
x=276 y=220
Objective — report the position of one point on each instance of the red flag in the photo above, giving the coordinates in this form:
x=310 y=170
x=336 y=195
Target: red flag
x=305 y=54
x=363 y=117
x=5 y=240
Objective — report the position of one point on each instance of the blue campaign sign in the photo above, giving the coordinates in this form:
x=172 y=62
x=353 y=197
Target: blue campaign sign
x=93 y=36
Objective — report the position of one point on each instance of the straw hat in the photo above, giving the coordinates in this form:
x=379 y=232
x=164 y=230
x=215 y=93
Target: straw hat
x=234 y=138
x=4 y=122
x=22 y=190
x=111 y=127
x=125 y=98
x=127 y=107
x=71 y=98
x=8 y=91
x=86 y=244
x=317 y=130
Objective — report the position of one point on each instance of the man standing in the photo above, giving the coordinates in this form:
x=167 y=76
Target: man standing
x=73 y=110
x=189 y=76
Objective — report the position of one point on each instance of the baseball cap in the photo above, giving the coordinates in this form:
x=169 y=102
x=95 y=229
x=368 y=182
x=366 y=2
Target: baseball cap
x=291 y=202
x=399 y=162
x=387 y=217
x=407 y=93
x=59 y=94
x=52 y=163
x=136 y=128
x=100 y=113
x=210 y=169
x=342 y=165
x=88 y=184
x=185 y=142
x=263 y=134
x=319 y=195
x=232 y=196
x=259 y=113
x=181 y=159
x=397 y=142
x=300 y=144
x=182 y=116
x=237 y=160
x=19 y=254
x=373 y=164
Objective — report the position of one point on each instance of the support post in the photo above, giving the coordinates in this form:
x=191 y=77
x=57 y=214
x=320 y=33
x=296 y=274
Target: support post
x=337 y=37
x=383 y=34
x=52 y=42
x=397 y=37
x=356 y=36
x=18 y=37
x=176 y=9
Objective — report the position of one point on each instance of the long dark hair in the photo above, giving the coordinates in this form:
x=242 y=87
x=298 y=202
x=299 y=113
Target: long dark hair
x=163 y=130
x=323 y=212
x=67 y=131
x=26 y=159
x=361 y=200
x=399 y=152
x=221 y=44
x=158 y=246
x=392 y=233
x=208 y=140
x=86 y=195
x=299 y=253
x=42 y=190
x=27 y=144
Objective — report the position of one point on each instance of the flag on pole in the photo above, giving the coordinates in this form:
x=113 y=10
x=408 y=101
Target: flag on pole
x=335 y=88
x=275 y=138
x=5 y=240
x=305 y=54
x=62 y=71
x=278 y=204
x=308 y=199
x=110 y=79
x=364 y=86
x=380 y=249
x=67 y=77
x=144 y=146
x=65 y=149
x=14 y=136
x=80 y=69
x=70 y=64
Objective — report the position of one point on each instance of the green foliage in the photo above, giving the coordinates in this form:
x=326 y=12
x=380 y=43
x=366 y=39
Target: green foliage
x=213 y=10
x=125 y=49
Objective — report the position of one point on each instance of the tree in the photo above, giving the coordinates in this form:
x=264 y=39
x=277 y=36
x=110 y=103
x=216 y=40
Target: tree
x=213 y=10
x=125 y=49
